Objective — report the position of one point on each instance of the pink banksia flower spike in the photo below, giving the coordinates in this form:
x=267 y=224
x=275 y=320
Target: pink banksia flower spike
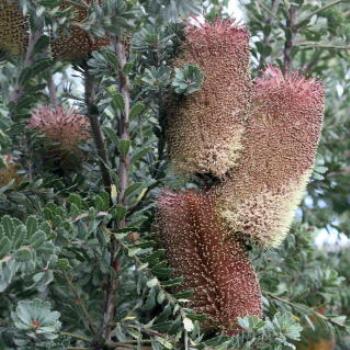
x=259 y=197
x=65 y=127
x=204 y=129
x=214 y=266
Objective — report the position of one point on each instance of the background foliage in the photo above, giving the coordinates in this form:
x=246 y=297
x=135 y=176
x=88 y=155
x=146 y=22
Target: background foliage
x=80 y=267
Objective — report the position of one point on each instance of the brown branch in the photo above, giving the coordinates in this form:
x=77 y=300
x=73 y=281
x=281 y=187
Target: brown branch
x=96 y=129
x=123 y=174
x=52 y=91
x=290 y=32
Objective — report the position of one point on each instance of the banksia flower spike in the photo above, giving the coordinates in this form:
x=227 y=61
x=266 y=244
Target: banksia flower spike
x=77 y=44
x=213 y=265
x=259 y=197
x=204 y=129
x=13 y=28
x=66 y=128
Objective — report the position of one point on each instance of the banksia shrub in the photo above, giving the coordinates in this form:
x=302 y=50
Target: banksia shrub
x=76 y=44
x=13 y=28
x=260 y=195
x=216 y=267
x=204 y=129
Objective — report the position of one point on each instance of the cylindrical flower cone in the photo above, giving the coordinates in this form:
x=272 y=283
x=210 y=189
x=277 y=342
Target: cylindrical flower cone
x=213 y=265
x=65 y=127
x=63 y=130
x=13 y=28
x=204 y=129
x=259 y=197
x=76 y=44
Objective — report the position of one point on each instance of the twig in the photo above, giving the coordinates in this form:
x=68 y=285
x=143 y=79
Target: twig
x=96 y=130
x=310 y=44
x=87 y=319
x=76 y=336
x=290 y=31
x=302 y=308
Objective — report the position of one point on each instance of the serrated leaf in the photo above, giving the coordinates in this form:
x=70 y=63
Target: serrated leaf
x=5 y=246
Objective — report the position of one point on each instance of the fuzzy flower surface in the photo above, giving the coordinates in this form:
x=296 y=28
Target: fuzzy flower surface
x=259 y=197
x=13 y=28
x=66 y=127
x=214 y=266
x=204 y=129
x=76 y=44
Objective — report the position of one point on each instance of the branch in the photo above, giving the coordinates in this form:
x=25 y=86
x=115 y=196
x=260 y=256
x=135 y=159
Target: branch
x=87 y=319
x=18 y=91
x=52 y=91
x=96 y=130
x=272 y=15
x=123 y=173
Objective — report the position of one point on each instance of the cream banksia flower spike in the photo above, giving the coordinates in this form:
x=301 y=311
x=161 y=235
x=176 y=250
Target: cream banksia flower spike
x=259 y=197
x=66 y=128
x=204 y=130
x=214 y=266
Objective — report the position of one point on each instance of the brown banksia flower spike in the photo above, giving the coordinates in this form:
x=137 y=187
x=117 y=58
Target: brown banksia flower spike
x=13 y=28
x=76 y=44
x=259 y=197
x=204 y=129
x=213 y=265
x=66 y=128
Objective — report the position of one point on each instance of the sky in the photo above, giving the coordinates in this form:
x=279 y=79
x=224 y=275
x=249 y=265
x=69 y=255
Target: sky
x=235 y=10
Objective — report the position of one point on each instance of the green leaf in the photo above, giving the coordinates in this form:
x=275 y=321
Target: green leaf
x=5 y=246
x=117 y=99
x=38 y=239
x=32 y=225
x=137 y=109
x=188 y=79
x=24 y=254
x=123 y=147
x=119 y=212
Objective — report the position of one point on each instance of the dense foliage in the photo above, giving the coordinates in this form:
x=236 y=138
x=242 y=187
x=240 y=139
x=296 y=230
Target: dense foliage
x=80 y=264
